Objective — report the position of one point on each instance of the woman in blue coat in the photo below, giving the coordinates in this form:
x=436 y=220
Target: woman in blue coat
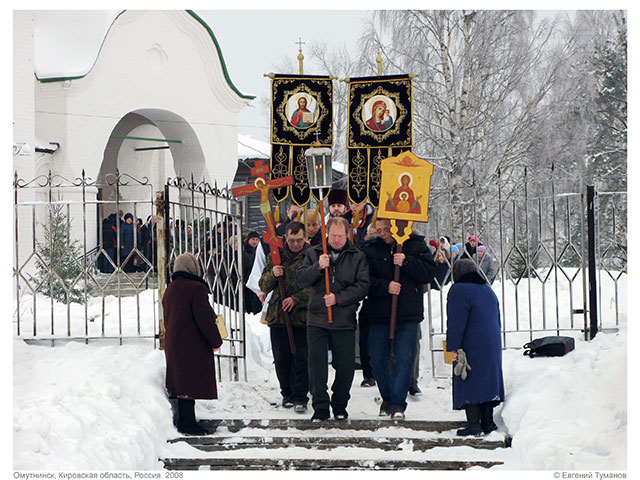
x=473 y=337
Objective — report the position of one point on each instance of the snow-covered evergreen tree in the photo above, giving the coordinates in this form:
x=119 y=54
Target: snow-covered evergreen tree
x=58 y=268
x=608 y=146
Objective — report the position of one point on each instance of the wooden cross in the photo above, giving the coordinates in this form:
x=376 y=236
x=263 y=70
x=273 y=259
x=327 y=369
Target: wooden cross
x=262 y=185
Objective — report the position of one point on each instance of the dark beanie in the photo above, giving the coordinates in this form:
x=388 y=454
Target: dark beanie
x=462 y=267
x=253 y=234
x=128 y=215
x=337 y=196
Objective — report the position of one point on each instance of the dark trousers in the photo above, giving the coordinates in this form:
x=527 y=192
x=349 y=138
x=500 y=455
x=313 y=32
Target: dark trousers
x=363 y=340
x=393 y=387
x=344 y=363
x=291 y=370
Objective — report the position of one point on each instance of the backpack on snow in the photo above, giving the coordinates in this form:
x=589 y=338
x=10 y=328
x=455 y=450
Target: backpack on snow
x=549 y=347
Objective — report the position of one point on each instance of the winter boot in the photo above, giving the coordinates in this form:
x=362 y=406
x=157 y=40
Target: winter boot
x=320 y=415
x=486 y=418
x=174 y=410
x=187 y=418
x=473 y=422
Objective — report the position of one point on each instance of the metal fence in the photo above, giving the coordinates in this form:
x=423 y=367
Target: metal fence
x=82 y=272
x=207 y=221
x=555 y=273
x=561 y=260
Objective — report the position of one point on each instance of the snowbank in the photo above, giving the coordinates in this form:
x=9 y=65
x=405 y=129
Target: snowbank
x=103 y=407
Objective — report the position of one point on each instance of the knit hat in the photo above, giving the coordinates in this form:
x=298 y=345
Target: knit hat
x=337 y=196
x=434 y=244
x=128 y=215
x=462 y=267
x=482 y=248
x=253 y=234
x=187 y=262
x=473 y=237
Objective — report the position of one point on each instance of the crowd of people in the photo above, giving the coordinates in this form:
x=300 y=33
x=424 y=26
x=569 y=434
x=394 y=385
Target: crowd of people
x=339 y=303
x=120 y=237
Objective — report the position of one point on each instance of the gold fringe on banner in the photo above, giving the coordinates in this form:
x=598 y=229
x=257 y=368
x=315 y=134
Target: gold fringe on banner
x=314 y=216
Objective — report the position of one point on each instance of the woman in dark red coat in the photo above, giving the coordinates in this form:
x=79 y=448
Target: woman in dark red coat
x=191 y=335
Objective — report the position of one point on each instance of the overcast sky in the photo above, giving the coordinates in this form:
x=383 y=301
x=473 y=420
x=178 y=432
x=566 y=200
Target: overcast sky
x=253 y=42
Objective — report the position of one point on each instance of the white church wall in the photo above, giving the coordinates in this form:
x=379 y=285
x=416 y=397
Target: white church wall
x=24 y=139
x=150 y=59
x=150 y=62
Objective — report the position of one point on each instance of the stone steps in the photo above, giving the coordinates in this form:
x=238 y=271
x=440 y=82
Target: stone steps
x=130 y=283
x=229 y=463
x=362 y=444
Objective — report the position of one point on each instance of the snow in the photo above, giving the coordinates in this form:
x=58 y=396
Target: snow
x=67 y=42
x=100 y=406
x=249 y=147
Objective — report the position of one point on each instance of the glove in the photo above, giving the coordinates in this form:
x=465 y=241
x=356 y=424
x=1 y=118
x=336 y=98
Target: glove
x=462 y=365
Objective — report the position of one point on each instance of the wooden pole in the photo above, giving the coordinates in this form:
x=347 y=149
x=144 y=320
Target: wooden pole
x=394 y=298
x=324 y=250
x=275 y=257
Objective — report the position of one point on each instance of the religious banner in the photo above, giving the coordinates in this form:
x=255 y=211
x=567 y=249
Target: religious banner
x=405 y=181
x=379 y=126
x=301 y=114
x=404 y=188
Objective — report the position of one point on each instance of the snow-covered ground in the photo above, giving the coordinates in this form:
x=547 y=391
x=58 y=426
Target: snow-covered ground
x=103 y=407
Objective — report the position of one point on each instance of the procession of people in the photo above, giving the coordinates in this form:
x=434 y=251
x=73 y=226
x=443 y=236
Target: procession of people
x=344 y=322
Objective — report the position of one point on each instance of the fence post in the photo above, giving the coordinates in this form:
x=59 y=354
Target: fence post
x=161 y=261
x=591 y=234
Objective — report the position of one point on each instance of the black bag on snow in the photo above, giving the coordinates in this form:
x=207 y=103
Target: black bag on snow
x=549 y=347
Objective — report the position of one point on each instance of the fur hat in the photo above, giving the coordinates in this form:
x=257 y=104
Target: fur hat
x=337 y=196
x=462 y=267
x=187 y=262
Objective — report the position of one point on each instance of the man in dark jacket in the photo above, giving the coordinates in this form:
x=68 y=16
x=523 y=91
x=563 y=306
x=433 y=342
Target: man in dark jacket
x=349 y=283
x=291 y=369
x=359 y=217
x=416 y=269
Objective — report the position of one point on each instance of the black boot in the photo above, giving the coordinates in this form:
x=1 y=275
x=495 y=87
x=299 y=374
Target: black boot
x=473 y=422
x=486 y=418
x=187 y=418
x=174 y=410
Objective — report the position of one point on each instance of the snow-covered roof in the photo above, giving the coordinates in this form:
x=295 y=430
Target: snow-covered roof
x=67 y=43
x=249 y=147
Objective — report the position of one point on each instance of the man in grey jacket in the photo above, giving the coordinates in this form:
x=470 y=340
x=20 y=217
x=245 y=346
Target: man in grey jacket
x=349 y=283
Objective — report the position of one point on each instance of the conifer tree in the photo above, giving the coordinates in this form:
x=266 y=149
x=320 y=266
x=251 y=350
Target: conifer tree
x=57 y=267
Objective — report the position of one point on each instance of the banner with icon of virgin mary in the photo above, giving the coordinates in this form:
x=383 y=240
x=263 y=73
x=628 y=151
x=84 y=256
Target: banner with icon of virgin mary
x=379 y=126
x=301 y=114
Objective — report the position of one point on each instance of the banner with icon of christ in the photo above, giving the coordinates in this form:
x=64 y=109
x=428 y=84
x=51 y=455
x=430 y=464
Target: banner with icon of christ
x=301 y=115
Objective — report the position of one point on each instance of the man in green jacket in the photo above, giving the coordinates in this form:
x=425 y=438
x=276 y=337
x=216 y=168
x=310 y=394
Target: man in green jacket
x=291 y=369
x=349 y=283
